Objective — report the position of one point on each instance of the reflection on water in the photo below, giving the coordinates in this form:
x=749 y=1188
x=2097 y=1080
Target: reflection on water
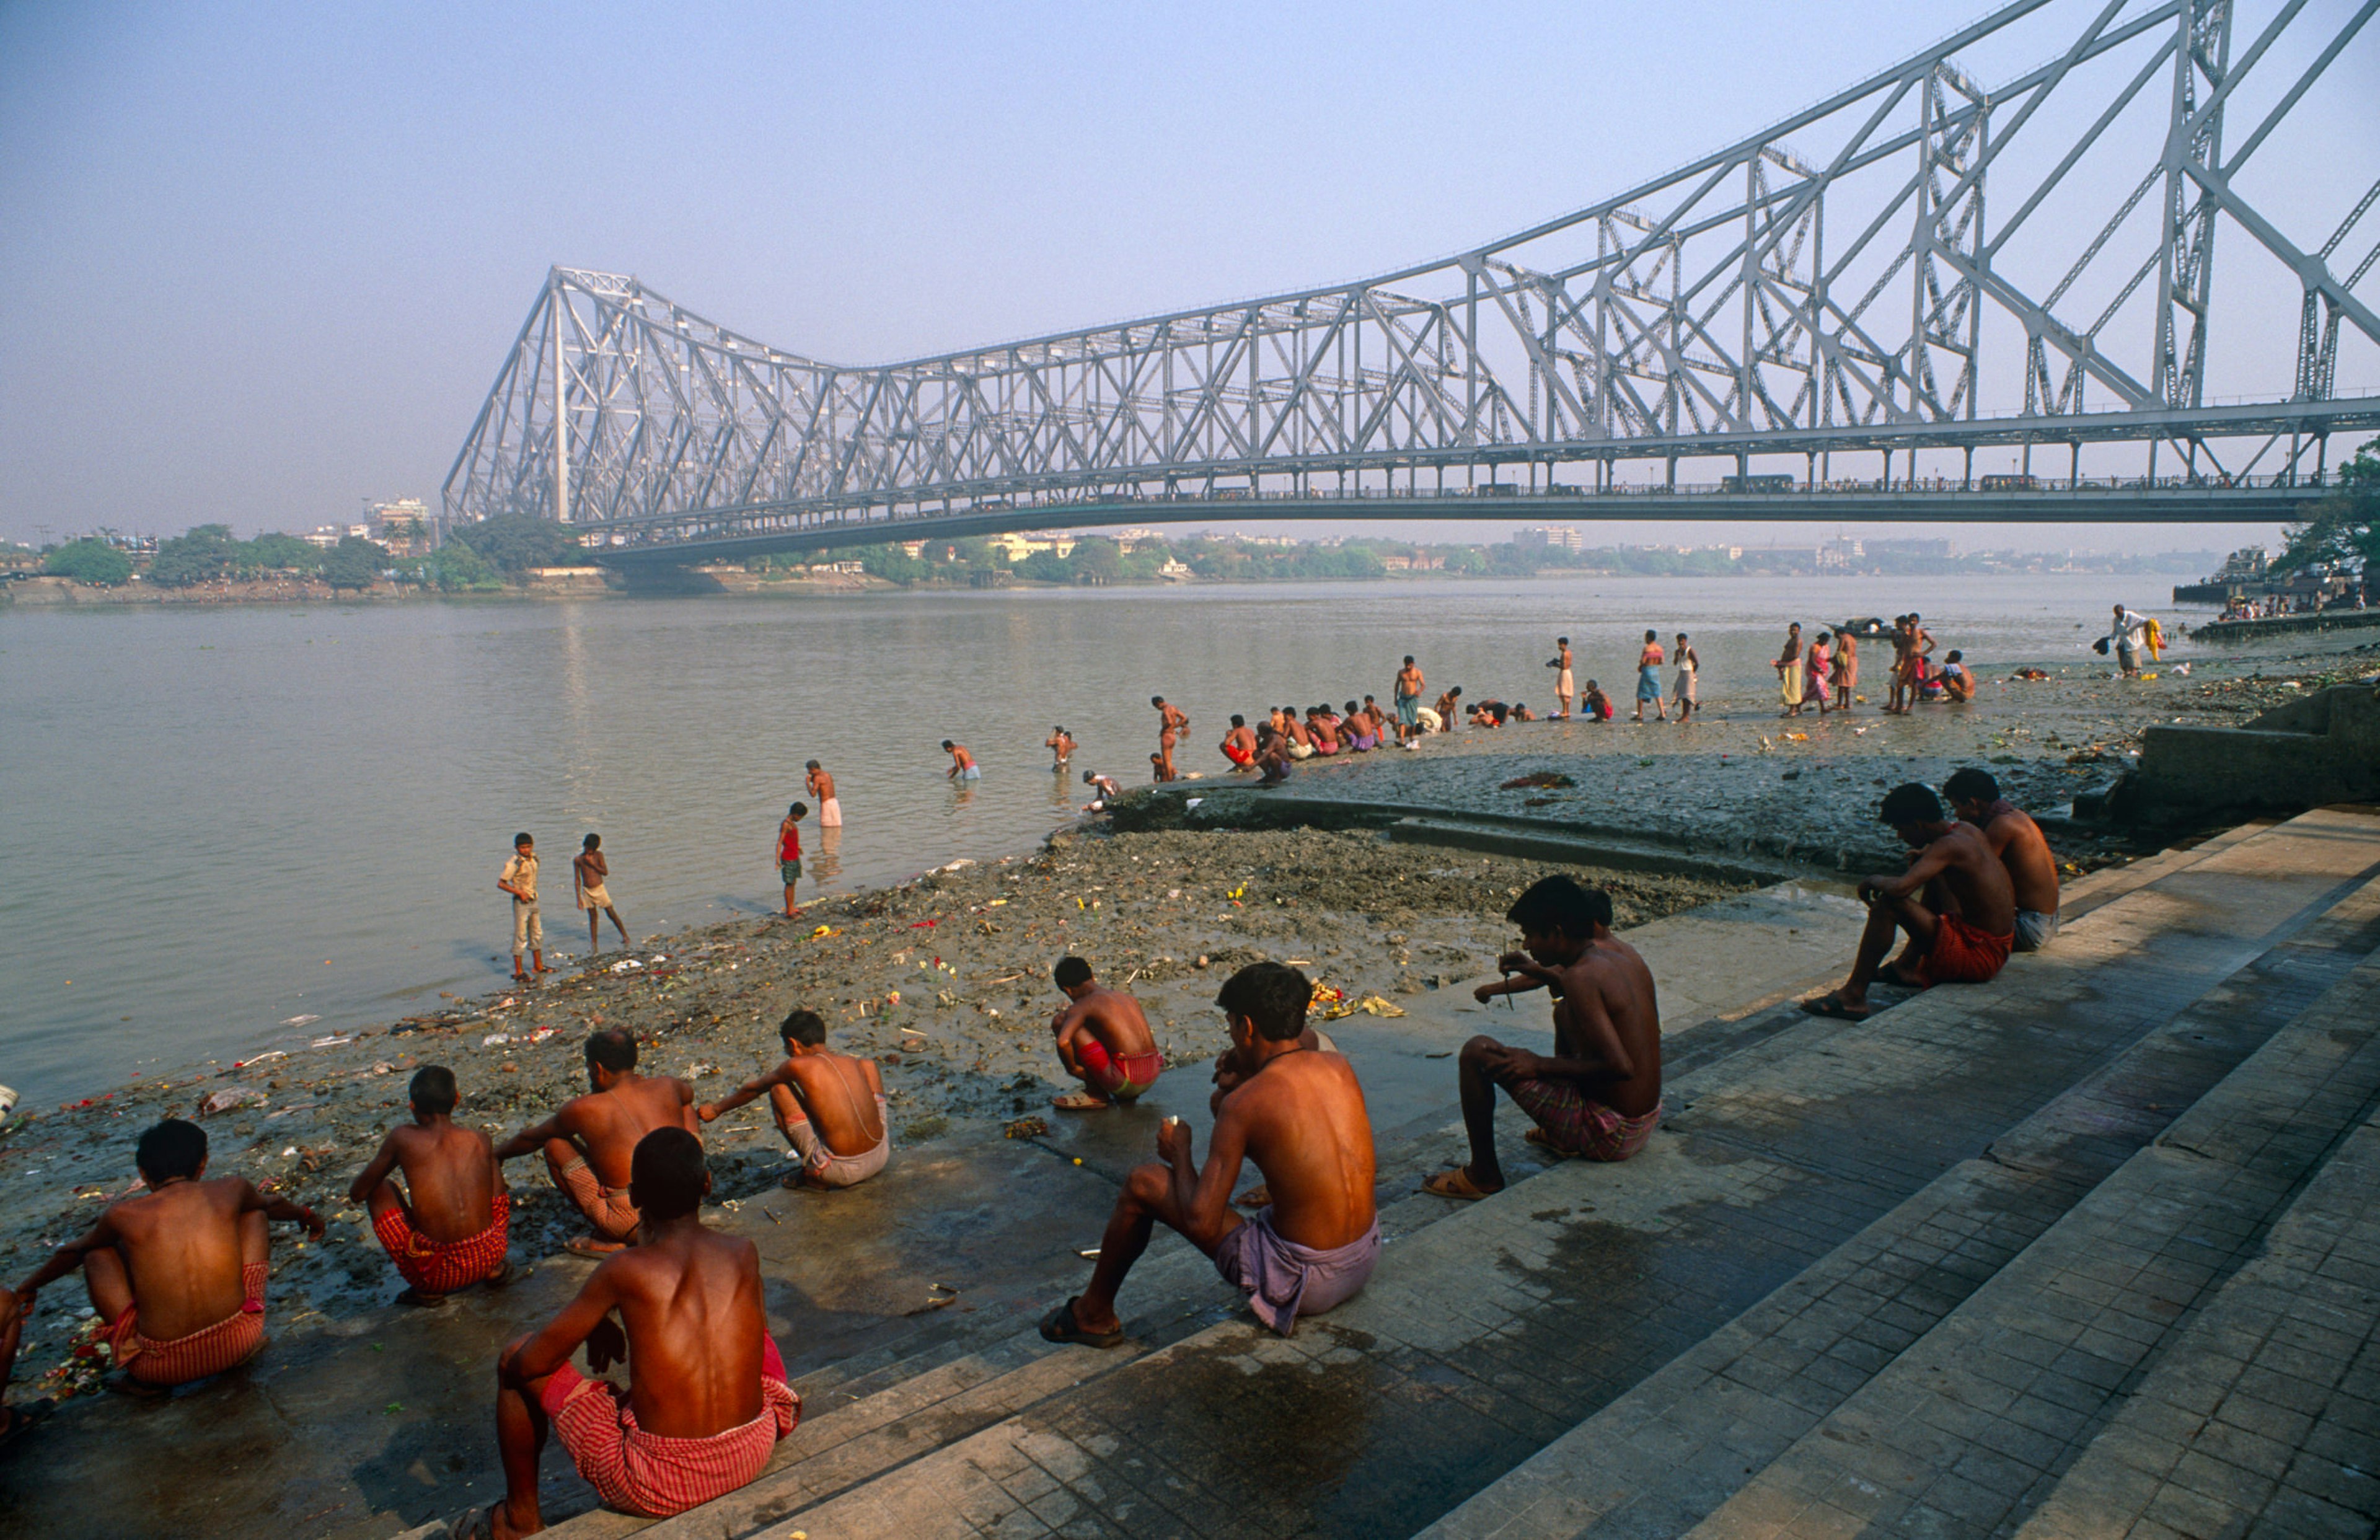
x=221 y=821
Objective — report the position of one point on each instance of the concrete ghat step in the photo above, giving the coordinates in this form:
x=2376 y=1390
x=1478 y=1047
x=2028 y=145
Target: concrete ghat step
x=1966 y=1432
x=864 y=1418
x=2262 y=1419
x=1680 y=1445
x=1550 y=842
x=1442 y=1372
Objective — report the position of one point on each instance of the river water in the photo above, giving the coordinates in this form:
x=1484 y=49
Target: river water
x=219 y=820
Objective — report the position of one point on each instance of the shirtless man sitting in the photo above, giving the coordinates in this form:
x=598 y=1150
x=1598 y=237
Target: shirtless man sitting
x=828 y=1105
x=1600 y=1096
x=2032 y=867
x=707 y=1399
x=437 y=1198
x=177 y=1273
x=1239 y=745
x=1300 y=1116
x=1103 y=1041
x=588 y=1144
x=1960 y=935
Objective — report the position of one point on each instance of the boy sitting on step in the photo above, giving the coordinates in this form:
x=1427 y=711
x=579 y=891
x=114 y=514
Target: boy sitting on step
x=1600 y=1096
x=1961 y=931
x=707 y=1399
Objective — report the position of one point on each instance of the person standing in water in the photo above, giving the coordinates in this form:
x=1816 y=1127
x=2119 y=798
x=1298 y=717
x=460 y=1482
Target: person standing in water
x=1690 y=667
x=1648 y=678
x=820 y=784
x=588 y=873
x=963 y=765
x=1565 y=683
x=789 y=852
x=1060 y=744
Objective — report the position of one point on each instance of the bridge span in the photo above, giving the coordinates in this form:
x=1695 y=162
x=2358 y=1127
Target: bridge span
x=734 y=534
x=1826 y=301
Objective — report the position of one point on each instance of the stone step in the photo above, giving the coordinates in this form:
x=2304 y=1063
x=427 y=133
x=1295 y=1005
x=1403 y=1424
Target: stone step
x=1661 y=1458
x=2262 y=1419
x=867 y=1417
x=1487 y=1335
x=1966 y=1431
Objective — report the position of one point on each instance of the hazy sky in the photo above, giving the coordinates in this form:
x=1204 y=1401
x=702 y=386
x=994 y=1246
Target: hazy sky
x=261 y=263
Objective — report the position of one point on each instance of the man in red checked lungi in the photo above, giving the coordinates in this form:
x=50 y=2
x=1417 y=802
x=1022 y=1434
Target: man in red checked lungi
x=437 y=1198
x=1961 y=931
x=707 y=1399
x=179 y=1273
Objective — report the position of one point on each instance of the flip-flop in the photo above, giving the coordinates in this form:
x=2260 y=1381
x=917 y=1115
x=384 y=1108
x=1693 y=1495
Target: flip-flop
x=1060 y=1325
x=421 y=1300
x=1079 y=1101
x=476 y=1524
x=588 y=1245
x=1833 y=1007
x=501 y=1276
x=1457 y=1184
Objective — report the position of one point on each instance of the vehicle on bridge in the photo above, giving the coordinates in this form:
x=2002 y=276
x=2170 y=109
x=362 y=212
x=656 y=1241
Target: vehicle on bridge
x=2009 y=482
x=1755 y=483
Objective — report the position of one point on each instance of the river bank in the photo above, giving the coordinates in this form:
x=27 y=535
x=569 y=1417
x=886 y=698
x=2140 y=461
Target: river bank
x=943 y=979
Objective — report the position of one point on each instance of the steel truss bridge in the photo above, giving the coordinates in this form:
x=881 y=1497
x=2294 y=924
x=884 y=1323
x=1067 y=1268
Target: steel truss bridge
x=1826 y=301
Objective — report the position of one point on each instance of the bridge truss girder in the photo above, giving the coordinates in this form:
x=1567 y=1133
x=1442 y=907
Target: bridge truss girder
x=1832 y=284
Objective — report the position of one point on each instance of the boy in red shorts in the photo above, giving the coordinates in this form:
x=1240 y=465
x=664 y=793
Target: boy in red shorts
x=437 y=1198
x=1963 y=931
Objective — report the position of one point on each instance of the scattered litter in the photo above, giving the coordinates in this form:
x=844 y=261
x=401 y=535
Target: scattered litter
x=1542 y=781
x=301 y=1021
x=625 y=964
x=1192 y=802
x=1025 y=1128
x=495 y=1039
x=331 y=1042
x=1088 y=1251
x=914 y=1033
x=223 y=1101
x=269 y=1053
x=1797 y=737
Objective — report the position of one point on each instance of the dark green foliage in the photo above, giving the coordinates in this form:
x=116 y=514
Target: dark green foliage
x=354 y=562
x=513 y=543
x=203 y=555
x=2344 y=526
x=89 y=561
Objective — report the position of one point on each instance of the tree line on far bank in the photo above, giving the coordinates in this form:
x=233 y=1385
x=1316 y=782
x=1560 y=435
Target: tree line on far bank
x=476 y=558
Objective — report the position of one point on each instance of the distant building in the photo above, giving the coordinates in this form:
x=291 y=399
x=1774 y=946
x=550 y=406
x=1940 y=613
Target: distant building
x=1548 y=538
x=1932 y=551
x=1021 y=546
x=402 y=525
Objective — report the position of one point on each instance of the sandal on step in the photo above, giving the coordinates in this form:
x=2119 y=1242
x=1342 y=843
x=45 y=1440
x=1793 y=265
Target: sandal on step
x=1456 y=1183
x=1060 y=1325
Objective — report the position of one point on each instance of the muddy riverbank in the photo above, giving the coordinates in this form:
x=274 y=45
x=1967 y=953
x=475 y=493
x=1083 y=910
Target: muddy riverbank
x=944 y=980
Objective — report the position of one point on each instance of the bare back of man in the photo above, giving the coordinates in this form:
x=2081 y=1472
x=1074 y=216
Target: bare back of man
x=1300 y=1115
x=590 y=1144
x=1103 y=1040
x=182 y=1250
x=2024 y=851
x=685 y=1309
x=606 y=1125
x=842 y=1097
x=450 y=1179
